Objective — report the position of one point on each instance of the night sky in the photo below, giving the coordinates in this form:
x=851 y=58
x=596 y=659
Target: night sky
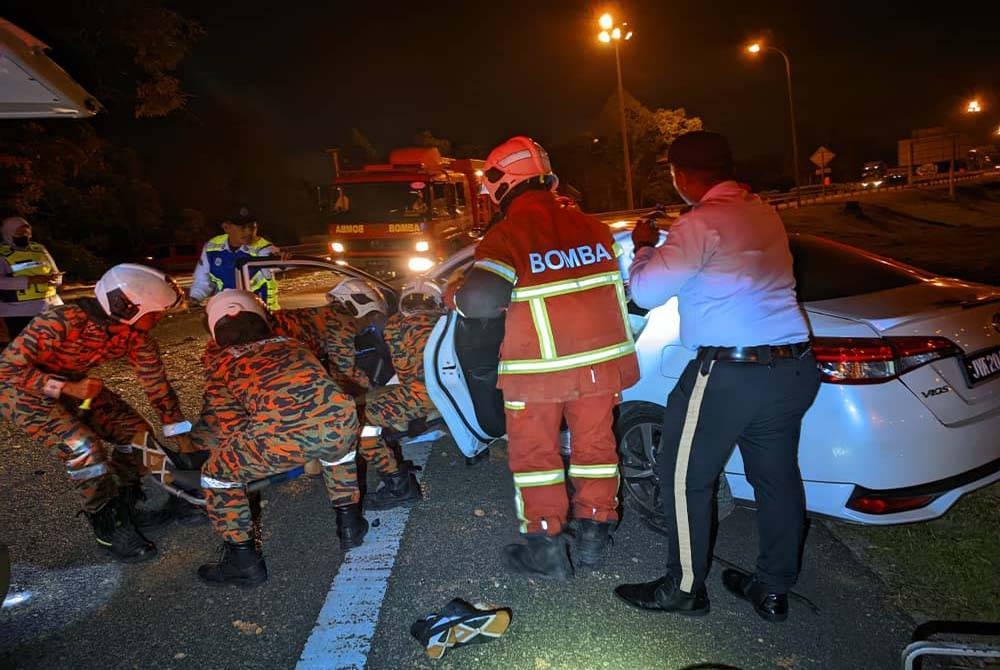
x=864 y=74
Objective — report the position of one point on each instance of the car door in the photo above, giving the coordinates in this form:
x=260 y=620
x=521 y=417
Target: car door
x=303 y=282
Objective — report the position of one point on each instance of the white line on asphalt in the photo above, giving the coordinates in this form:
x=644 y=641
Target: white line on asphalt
x=346 y=623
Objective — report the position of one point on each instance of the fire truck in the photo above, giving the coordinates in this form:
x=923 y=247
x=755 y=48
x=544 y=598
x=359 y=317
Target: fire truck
x=401 y=217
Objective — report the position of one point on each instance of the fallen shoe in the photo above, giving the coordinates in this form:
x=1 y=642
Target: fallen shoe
x=460 y=623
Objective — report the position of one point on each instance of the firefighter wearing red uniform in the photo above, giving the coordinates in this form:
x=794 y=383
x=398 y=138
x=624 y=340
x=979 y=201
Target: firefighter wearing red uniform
x=567 y=352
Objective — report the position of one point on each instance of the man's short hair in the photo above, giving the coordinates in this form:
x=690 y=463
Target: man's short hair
x=703 y=153
x=242 y=328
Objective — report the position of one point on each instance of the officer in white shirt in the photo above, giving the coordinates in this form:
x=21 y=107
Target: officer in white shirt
x=753 y=378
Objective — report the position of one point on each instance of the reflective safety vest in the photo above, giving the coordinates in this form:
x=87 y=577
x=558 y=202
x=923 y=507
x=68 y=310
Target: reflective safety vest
x=566 y=332
x=25 y=263
x=222 y=268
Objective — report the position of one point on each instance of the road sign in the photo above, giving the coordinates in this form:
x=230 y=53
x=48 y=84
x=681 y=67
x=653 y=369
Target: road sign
x=822 y=157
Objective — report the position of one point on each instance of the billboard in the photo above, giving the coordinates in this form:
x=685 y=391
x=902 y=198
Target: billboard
x=933 y=145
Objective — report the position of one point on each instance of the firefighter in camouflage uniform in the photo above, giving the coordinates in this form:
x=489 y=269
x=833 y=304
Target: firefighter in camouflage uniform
x=272 y=406
x=394 y=406
x=44 y=376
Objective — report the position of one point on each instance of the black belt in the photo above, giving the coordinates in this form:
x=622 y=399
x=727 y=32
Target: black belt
x=763 y=353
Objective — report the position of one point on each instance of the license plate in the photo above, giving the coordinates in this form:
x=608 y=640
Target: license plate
x=982 y=365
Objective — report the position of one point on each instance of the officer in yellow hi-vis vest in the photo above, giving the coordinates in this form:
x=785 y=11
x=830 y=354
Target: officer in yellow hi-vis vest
x=217 y=267
x=566 y=354
x=28 y=276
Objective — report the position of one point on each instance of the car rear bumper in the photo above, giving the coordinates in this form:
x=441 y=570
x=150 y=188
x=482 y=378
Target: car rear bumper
x=830 y=499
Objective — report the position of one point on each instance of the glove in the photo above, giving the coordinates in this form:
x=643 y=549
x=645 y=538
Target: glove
x=645 y=234
x=88 y=387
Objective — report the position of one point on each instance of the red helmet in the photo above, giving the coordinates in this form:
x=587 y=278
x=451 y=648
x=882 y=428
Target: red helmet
x=514 y=162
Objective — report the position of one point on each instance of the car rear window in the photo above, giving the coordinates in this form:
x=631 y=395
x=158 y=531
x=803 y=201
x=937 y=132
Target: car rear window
x=826 y=270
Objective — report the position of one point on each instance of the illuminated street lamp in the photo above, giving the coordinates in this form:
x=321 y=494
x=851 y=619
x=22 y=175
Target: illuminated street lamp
x=610 y=33
x=973 y=107
x=755 y=48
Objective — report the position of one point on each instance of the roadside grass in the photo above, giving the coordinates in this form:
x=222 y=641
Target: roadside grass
x=948 y=568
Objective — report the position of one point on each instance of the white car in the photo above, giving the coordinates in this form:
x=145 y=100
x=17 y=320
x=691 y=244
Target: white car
x=907 y=419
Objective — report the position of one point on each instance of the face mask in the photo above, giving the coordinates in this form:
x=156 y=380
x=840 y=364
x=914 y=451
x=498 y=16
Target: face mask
x=21 y=240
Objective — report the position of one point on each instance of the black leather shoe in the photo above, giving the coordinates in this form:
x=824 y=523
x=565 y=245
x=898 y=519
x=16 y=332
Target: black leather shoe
x=769 y=606
x=662 y=595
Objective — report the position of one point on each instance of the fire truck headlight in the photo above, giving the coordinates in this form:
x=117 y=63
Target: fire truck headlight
x=420 y=264
x=423 y=245
x=337 y=247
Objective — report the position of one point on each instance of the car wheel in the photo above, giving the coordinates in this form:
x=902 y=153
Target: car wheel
x=637 y=430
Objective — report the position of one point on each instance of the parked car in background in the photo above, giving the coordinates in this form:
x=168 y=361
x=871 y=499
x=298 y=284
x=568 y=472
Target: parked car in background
x=906 y=420
x=172 y=258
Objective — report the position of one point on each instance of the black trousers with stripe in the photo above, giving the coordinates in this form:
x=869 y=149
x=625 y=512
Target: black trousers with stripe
x=758 y=407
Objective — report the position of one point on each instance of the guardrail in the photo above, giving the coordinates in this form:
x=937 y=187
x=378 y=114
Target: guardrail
x=808 y=195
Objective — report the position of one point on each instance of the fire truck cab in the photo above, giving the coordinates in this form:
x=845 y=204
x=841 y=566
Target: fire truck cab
x=402 y=217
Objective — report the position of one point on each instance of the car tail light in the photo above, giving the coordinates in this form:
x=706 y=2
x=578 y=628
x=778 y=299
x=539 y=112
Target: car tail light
x=872 y=360
x=874 y=504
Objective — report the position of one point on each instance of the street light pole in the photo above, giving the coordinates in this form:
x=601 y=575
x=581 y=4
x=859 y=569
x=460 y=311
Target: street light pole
x=754 y=48
x=795 y=137
x=612 y=33
x=621 y=112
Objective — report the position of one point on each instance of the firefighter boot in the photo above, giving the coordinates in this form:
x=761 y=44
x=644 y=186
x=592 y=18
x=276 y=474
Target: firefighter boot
x=143 y=517
x=114 y=531
x=592 y=539
x=542 y=556
x=351 y=526
x=240 y=564
x=397 y=489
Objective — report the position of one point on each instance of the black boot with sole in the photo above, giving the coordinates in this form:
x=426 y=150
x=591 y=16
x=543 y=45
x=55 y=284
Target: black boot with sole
x=351 y=526
x=399 y=488
x=240 y=564
x=114 y=531
x=543 y=556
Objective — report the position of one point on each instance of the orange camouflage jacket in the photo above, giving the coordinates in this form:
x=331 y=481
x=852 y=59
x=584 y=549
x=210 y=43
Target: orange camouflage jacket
x=275 y=383
x=66 y=342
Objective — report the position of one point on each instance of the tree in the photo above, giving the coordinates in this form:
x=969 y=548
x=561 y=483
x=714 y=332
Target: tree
x=125 y=52
x=650 y=133
x=427 y=139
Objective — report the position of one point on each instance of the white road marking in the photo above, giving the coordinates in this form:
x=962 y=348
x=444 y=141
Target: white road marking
x=346 y=623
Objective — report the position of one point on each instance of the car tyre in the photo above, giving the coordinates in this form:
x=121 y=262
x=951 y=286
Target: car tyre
x=637 y=431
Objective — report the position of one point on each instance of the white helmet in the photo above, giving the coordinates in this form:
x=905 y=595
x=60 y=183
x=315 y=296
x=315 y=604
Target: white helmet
x=422 y=294
x=358 y=296
x=230 y=302
x=128 y=291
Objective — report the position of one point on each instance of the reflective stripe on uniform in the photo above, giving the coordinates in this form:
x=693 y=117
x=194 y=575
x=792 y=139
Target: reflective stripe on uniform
x=564 y=287
x=212 y=483
x=513 y=404
x=540 y=318
x=600 y=471
x=616 y=249
x=541 y=478
x=524 y=480
x=89 y=472
x=496 y=267
x=346 y=458
x=680 y=480
x=568 y=362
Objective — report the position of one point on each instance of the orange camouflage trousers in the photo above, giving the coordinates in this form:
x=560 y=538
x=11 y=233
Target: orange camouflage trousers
x=392 y=407
x=106 y=430
x=258 y=451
